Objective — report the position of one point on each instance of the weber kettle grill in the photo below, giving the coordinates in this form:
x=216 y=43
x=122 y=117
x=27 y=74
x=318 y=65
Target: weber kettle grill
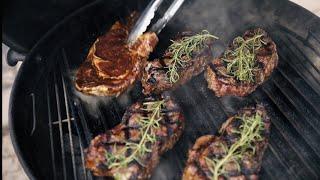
x=51 y=123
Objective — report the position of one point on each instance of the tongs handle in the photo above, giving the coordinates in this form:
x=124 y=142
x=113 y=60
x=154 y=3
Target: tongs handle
x=161 y=23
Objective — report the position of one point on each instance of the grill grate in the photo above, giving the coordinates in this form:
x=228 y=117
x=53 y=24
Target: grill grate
x=51 y=137
x=65 y=130
x=291 y=98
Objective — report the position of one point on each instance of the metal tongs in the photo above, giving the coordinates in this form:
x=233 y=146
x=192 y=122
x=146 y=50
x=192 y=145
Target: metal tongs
x=148 y=14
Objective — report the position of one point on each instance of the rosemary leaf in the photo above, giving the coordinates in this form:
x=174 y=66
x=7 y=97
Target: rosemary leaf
x=241 y=60
x=148 y=124
x=249 y=132
x=182 y=51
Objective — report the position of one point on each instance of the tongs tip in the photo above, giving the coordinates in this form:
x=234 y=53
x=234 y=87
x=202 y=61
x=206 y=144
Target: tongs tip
x=148 y=14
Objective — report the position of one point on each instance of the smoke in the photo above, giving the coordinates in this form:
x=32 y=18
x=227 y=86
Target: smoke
x=222 y=18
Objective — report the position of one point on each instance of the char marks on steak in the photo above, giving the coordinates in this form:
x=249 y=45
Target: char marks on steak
x=155 y=78
x=266 y=61
x=214 y=147
x=170 y=127
x=112 y=66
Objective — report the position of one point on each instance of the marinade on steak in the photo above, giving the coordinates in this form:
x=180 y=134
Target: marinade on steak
x=266 y=60
x=155 y=78
x=99 y=157
x=217 y=148
x=112 y=66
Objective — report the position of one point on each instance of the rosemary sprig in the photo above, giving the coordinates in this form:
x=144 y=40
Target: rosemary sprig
x=148 y=125
x=249 y=132
x=182 y=50
x=241 y=61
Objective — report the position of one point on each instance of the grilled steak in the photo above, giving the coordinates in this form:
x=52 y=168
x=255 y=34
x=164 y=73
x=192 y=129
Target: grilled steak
x=222 y=82
x=132 y=149
x=236 y=153
x=155 y=76
x=112 y=65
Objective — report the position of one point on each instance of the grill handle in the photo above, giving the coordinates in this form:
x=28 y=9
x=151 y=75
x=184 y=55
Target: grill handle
x=13 y=57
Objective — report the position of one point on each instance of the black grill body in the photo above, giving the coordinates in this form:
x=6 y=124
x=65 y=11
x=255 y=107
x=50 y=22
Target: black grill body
x=51 y=124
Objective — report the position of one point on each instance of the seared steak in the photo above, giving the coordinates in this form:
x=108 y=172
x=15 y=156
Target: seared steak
x=236 y=153
x=112 y=65
x=224 y=83
x=155 y=76
x=132 y=149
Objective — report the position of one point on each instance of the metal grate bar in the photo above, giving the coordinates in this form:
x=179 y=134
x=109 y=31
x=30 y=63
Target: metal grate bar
x=64 y=120
x=199 y=107
x=299 y=146
x=114 y=110
x=224 y=109
x=83 y=122
x=270 y=165
x=295 y=80
x=265 y=174
x=298 y=96
x=201 y=113
x=297 y=49
x=280 y=139
x=298 y=70
x=278 y=156
x=305 y=130
x=179 y=163
x=288 y=157
x=116 y=113
x=83 y=140
x=82 y=161
x=102 y=118
x=51 y=136
x=310 y=115
x=291 y=46
x=211 y=104
x=283 y=65
x=33 y=114
x=314 y=36
x=60 y=127
x=192 y=132
x=79 y=127
x=69 y=127
x=196 y=114
x=285 y=30
x=205 y=106
x=302 y=66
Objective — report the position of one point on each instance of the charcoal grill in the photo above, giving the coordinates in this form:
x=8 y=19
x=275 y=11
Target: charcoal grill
x=51 y=123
